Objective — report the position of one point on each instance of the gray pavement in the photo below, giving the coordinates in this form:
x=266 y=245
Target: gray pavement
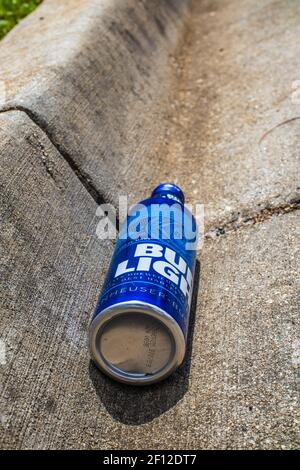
x=233 y=133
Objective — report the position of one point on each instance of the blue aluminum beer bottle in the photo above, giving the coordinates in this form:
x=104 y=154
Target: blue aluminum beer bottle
x=139 y=329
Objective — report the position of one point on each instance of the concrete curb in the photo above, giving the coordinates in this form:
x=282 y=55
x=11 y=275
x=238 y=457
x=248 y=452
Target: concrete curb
x=51 y=266
x=93 y=75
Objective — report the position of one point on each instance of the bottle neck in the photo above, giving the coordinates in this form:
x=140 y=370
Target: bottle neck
x=169 y=191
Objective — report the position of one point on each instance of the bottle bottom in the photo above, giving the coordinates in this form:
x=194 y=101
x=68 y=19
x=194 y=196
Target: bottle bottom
x=136 y=343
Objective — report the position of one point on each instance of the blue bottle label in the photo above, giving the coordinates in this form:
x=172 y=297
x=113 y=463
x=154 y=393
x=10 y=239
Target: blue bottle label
x=157 y=271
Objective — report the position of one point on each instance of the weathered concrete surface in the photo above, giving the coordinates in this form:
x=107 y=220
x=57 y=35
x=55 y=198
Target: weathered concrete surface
x=237 y=75
x=100 y=87
x=242 y=390
x=243 y=387
x=239 y=387
x=94 y=75
x=51 y=266
x=245 y=376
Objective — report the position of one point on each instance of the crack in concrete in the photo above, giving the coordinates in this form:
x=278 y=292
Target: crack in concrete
x=35 y=141
x=238 y=222
x=81 y=175
x=280 y=124
x=242 y=221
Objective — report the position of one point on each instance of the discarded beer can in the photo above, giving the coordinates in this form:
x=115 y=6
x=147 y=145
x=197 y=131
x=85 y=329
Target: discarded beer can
x=138 y=332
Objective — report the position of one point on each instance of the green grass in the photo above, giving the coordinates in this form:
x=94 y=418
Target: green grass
x=12 y=11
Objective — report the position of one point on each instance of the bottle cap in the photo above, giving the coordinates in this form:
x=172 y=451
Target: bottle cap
x=169 y=190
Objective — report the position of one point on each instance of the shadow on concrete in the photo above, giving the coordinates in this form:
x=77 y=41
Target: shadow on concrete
x=138 y=405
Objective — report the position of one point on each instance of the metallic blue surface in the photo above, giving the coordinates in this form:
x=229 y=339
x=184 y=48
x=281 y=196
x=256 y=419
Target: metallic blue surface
x=169 y=190
x=150 y=263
